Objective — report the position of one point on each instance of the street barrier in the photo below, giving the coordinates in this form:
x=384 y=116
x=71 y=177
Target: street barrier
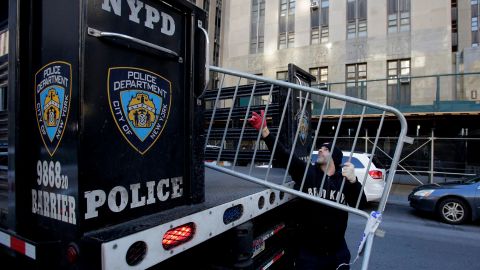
x=285 y=103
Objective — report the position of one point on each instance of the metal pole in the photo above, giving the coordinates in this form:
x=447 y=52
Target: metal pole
x=432 y=151
x=366 y=140
x=399 y=101
x=368 y=250
x=437 y=97
x=466 y=148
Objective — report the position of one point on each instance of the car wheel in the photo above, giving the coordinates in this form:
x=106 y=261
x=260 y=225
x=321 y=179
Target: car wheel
x=453 y=211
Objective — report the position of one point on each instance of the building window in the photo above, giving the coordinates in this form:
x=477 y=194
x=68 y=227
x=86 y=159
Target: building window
x=398 y=69
x=257 y=26
x=206 y=5
x=3 y=42
x=475 y=39
x=216 y=41
x=221 y=104
x=398 y=15
x=321 y=79
x=282 y=75
x=3 y=67
x=320 y=74
x=356 y=18
x=315 y=35
x=398 y=84
x=282 y=41
x=291 y=39
x=215 y=81
x=286 y=31
x=249 y=81
x=256 y=101
x=356 y=78
x=454 y=26
x=324 y=35
x=319 y=23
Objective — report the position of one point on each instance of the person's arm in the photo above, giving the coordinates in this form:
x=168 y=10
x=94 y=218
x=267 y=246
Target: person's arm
x=297 y=166
x=351 y=193
x=352 y=187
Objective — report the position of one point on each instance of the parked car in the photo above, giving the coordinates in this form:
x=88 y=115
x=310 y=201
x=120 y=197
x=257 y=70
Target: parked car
x=375 y=183
x=454 y=202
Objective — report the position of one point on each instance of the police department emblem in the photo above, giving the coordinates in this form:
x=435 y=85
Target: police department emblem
x=53 y=90
x=303 y=124
x=140 y=104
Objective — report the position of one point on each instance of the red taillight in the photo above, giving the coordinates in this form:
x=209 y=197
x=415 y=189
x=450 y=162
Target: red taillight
x=72 y=253
x=376 y=174
x=178 y=235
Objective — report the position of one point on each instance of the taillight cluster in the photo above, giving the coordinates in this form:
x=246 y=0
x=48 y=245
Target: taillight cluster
x=376 y=174
x=178 y=235
x=137 y=252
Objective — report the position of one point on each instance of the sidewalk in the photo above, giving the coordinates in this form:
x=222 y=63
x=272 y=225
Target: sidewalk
x=399 y=194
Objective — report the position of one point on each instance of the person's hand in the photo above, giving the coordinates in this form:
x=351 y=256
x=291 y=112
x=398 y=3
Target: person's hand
x=256 y=120
x=348 y=170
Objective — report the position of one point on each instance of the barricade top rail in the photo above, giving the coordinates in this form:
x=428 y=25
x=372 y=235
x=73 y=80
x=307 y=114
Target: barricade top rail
x=287 y=108
x=312 y=90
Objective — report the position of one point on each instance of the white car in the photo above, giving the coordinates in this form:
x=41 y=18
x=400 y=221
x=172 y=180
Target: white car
x=375 y=183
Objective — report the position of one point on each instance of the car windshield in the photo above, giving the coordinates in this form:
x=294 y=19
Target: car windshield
x=475 y=179
x=355 y=161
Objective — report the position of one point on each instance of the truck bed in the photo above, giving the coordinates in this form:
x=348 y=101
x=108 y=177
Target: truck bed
x=222 y=193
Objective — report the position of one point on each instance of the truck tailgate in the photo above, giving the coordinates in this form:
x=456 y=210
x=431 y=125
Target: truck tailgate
x=220 y=188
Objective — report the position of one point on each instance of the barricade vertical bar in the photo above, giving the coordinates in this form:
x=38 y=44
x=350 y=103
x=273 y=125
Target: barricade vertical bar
x=214 y=110
x=360 y=122
x=379 y=130
x=314 y=143
x=351 y=152
x=278 y=132
x=244 y=123
x=228 y=120
x=334 y=142
x=432 y=160
x=368 y=249
x=295 y=139
x=257 y=143
x=396 y=157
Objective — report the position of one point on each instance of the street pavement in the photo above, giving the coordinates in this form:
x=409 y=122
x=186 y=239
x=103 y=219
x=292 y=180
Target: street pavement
x=399 y=194
x=416 y=241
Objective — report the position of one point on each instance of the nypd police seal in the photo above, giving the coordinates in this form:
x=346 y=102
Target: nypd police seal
x=140 y=105
x=303 y=124
x=53 y=90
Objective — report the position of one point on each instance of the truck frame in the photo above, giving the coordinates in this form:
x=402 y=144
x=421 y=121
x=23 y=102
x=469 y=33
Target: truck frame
x=107 y=143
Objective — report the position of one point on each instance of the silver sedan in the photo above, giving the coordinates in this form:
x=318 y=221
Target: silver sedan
x=455 y=202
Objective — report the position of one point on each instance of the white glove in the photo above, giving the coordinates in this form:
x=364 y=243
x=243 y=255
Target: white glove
x=348 y=170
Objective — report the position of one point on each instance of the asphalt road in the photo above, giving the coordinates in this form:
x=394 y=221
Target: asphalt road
x=415 y=241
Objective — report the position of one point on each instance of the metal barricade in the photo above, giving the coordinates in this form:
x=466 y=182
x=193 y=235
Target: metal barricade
x=232 y=104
